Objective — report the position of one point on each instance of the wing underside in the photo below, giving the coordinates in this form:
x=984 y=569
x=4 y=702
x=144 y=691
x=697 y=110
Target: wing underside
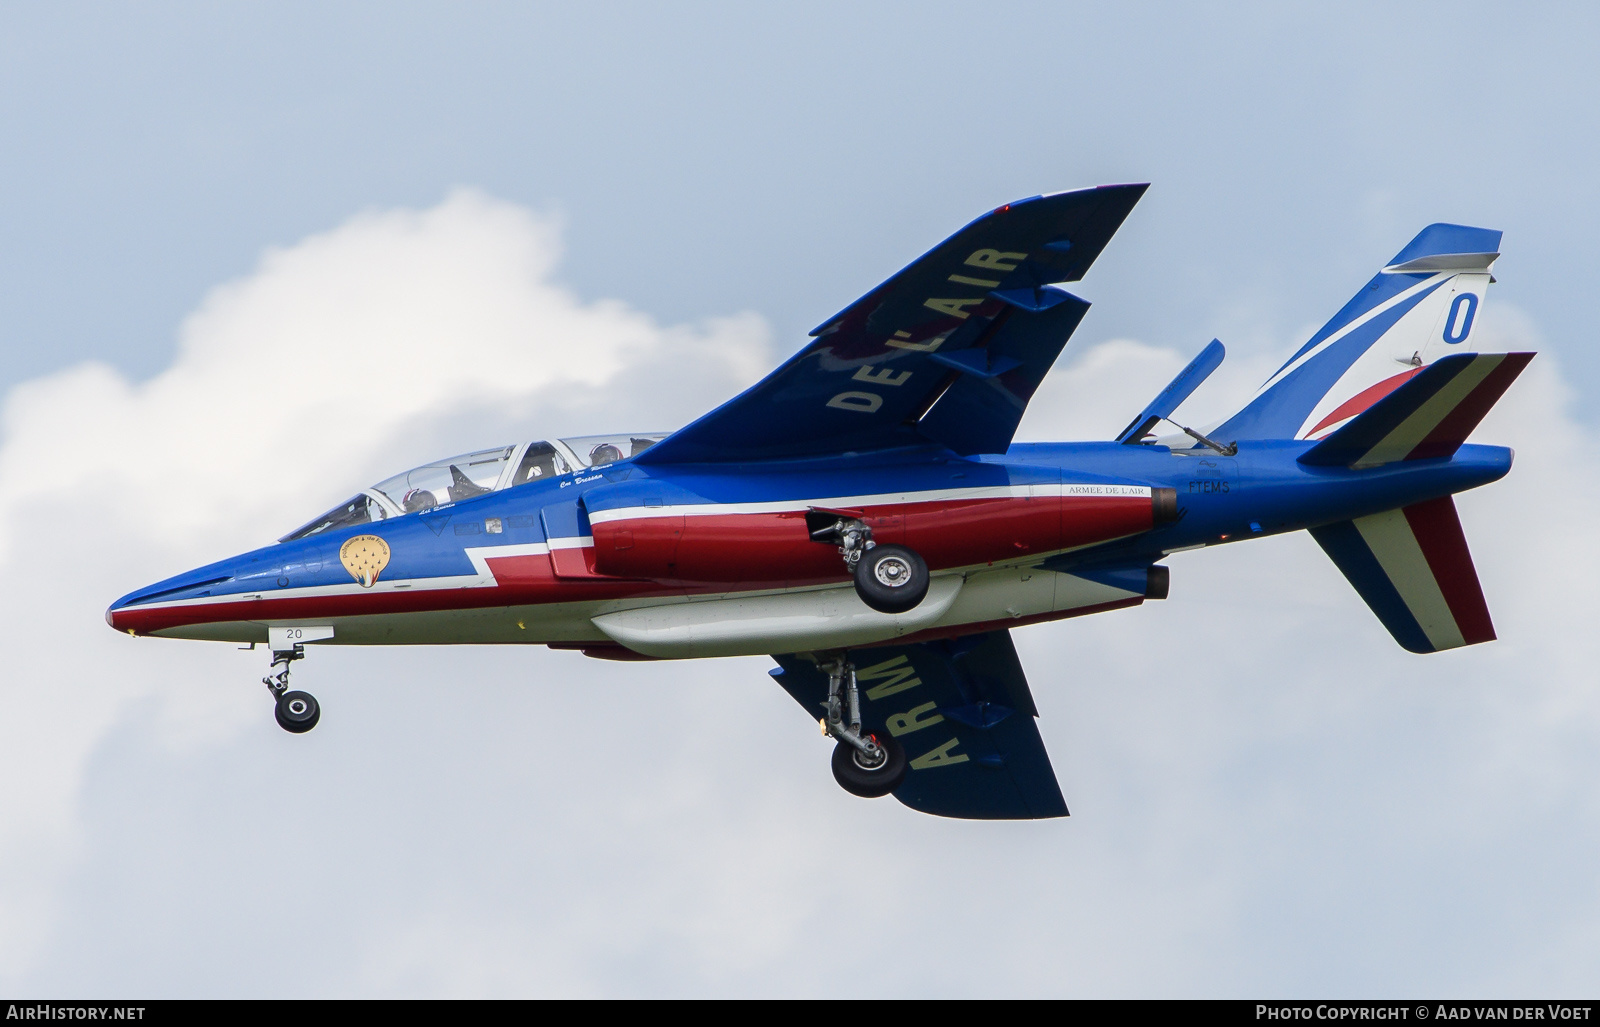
x=964 y=713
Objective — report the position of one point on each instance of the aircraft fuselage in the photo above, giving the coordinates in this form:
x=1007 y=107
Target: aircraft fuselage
x=673 y=561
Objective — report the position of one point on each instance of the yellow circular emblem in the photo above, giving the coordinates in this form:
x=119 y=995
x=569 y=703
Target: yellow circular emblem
x=365 y=557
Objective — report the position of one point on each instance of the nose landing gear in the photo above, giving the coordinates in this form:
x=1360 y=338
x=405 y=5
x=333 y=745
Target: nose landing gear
x=863 y=764
x=296 y=712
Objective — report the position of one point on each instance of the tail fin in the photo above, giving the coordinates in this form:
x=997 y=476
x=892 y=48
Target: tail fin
x=1429 y=416
x=1414 y=311
x=1413 y=568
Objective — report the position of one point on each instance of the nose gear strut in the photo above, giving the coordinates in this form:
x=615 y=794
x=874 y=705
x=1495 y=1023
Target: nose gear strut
x=863 y=764
x=296 y=712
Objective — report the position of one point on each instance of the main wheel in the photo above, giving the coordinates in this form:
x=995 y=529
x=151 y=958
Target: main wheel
x=297 y=712
x=891 y=579
x=869 y=782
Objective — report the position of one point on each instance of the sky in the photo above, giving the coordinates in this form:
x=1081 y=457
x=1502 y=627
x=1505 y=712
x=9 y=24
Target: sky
x=253 y=257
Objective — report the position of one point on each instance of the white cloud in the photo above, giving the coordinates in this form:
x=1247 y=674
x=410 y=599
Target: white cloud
x=1269 y=795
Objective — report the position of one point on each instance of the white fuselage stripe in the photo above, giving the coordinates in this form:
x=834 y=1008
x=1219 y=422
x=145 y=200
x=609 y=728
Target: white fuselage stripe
x=852 y=502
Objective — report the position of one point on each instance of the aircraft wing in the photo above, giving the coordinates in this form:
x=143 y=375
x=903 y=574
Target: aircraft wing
x=963 y=711
x=949 y=350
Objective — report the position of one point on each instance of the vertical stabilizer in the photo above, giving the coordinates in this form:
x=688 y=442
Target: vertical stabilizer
x=1422 y=306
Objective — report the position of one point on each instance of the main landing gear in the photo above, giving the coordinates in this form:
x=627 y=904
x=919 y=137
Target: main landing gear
x=863 y=764
x=297 y=712
x=889 y=578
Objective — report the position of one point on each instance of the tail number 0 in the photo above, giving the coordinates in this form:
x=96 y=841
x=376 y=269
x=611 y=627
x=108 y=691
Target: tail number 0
x=1459 y=322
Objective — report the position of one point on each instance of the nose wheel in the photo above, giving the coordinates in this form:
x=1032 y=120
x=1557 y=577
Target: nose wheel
x=296 y=712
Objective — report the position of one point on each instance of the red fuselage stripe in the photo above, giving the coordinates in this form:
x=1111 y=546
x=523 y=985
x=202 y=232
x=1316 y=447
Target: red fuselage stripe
x=707 y=554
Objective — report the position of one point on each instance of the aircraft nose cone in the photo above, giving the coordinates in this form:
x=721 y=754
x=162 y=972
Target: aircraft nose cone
x=117 y=615
x=132 y=613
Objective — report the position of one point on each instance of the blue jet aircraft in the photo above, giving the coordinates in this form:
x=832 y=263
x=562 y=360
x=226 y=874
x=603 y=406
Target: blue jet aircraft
x=863 y=516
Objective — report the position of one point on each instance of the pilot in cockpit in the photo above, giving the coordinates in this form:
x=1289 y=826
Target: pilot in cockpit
x=418 y=499
x=473 y=474
x=539 y=462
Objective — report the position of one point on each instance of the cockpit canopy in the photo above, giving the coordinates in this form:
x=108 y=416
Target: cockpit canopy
x=475 y=474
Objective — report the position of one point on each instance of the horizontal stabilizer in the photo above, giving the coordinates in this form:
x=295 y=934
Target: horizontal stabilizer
x=963 y=711
x=1429 y=414
x=1177 y=390
x=1414 y=570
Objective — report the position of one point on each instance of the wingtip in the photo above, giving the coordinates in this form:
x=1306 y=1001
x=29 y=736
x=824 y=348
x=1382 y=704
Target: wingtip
x=1109 y=187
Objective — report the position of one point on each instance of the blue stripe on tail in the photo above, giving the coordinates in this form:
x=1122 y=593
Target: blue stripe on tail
x=1279 y=412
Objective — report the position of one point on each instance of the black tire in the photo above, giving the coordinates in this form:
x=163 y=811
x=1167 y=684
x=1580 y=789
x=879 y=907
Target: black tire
x=869 y=782
x=297 y=712
x=891 y=579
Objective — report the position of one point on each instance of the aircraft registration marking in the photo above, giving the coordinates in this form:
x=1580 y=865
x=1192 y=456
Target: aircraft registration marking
x=898 y=675
x=1000 y=262
x=881 y=376
x=907 y=722
x=939 y=757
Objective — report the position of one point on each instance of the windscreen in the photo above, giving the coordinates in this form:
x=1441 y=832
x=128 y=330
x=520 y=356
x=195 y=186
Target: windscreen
x=474 y=474
x=362 y=509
